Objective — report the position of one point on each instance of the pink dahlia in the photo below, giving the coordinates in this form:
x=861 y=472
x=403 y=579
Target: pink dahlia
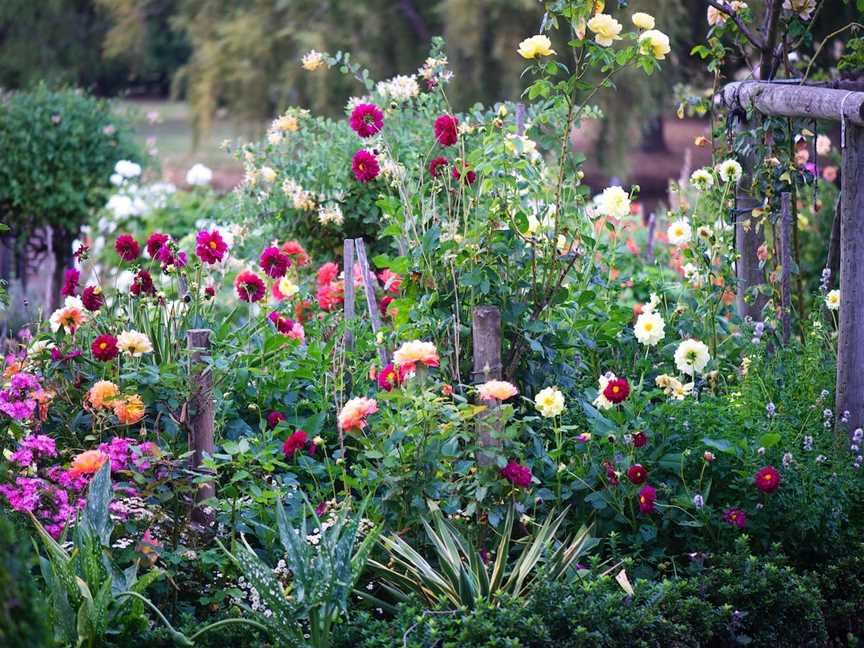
x=274 y=262
x=327 y=273
x=273 y=419
x=210 y=247
x=388 y=378
x=447 y=130
x=517 y=474
x=127 y=247
x=366 y=119
x=365 y=166
x=70 y=283
x=735 y=517
x=294 y=250
x=647 y=497
x=249 y=286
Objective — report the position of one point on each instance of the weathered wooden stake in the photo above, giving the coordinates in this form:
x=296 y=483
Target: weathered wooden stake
x=348 y=273
x=786 y=265
x=202 y=422
x=369 y=289
x=486 y=336
x=850 y=347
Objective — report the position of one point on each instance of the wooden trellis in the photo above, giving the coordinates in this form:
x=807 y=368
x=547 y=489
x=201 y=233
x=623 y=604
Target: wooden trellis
x=847 y=108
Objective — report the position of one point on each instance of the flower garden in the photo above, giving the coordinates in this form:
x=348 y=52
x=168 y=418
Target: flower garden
x=414 y=383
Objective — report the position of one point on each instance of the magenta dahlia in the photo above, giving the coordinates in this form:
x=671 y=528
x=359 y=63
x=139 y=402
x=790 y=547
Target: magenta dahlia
x=249 y=286
x=127 y=247
x=365 y=166
x=210 y=247
x=366 y=119
x=274 y=262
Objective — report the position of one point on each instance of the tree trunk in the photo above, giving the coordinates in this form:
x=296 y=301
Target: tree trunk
x=850 y=347
x=486 y=336
x=202 y=423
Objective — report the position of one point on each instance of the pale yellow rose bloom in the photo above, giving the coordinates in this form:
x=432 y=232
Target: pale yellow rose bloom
x=606 y=28
x=535 y=46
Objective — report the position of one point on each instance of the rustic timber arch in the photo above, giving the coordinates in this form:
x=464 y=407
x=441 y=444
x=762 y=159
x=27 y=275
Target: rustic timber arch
x=791 y=99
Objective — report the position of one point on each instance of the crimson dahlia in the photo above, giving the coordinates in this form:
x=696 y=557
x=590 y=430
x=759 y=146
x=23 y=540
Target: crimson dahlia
x=70 y=283
x=617 y=390
x=92 y=298
x=447 y=130
x=249 y=286
x=127 y=247
x=517 y=474
x=366 y=119
x=437 y=165
x=767 y=479
x=142 y=283
x=155 y=242
x=647 y=497
x=210 y=247
x=365 y=166
x=273 y=419
x=637 y=474
x=274 y=262
x=104 y=348
x=735 y=517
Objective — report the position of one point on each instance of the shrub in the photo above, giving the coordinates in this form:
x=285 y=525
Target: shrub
x=22 y=610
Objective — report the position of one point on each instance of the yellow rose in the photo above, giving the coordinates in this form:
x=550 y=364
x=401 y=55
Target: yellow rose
x=643 y=20
x=655 y=43
x=606 y=28
x=535 y=46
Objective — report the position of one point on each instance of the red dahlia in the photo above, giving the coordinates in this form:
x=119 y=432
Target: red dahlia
x=388 y=378
x=127 y=247
x=70 y=282
x=365 y=166
x=155 y=242
x=92 y=298
x=249 y=286
x=283 y=324
x=517 y=474
x=637 y=474
x=274 y=262
x=142 y=283
x=297 y=441
x=767 y=479
x=366 y=119
x=436 y=166
x=447 y=130
x=617 y=390
x=639 y=439
x=466 y=175
x=104 y=348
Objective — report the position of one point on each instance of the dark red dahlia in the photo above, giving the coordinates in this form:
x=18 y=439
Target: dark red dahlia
x=388 y=378
x=637 y=474
x=466 y=175
x=249 y=286
x=70 y=282
x=447 y=130
x=436 y=166
x=104 y=348
x=639 y=439
x=82 y=253
x=366 y=119
x=767 y=479
x=274 y=262
x=273 y=419
x=142 y=284
x=647 y=497
x=365 y=166
x=384 y=304
x=155 y=242
x=617 y=390
x=735 y=517
x=283 y=324
x=517 y=474
x=297 y=441
x=92 y=298
x=127 y=247
x=210 y=247
x=210 y=292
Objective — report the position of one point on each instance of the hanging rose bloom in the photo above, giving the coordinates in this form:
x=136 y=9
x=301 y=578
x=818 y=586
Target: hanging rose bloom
x=155 y=242
x=210 y=246
x=354 y=413
x=466 y=175
x=617 y=390
x=104 y=348
x=70 y=283
x=142 y=284
x=129 y=409
x=294 y=250
x=437 y=165
x=388 y=378
x=639 y=439
x=87 y=463
x=497 y=390
x=410 y=353
x=365 y=166
x=249 y=286
x=637 y=474
x=274 y=262
x=127 y=247
x=647 y=497
x=92 y=298
x=102 y=393
x=447 y=130
x=767 y=479
x=517 y=474
x=366 y=119
x=735 y=517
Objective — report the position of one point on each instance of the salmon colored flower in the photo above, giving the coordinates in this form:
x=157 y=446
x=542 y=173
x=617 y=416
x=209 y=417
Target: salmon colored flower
x=129 y=409
x=70 y=317
x=87 y=463
x=294 y=250
x=102 y=394
x=499 y=390
x=354 y=413
x=410 y=353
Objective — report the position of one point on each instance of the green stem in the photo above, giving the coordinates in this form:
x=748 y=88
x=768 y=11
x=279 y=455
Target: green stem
x=223 y=622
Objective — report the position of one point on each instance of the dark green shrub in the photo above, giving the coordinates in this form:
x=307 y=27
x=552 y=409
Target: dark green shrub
x=842 y=585
x=22 y=609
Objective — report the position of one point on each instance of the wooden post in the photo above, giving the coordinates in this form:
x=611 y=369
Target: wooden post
x=202 y=422
x=486 y=336
x=348 y=273
x=786 y=265
x=369 y=289
x=833 y=260
x=850 y=347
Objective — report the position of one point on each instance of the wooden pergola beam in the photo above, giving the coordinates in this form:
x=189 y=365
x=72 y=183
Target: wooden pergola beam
x=793 y=100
